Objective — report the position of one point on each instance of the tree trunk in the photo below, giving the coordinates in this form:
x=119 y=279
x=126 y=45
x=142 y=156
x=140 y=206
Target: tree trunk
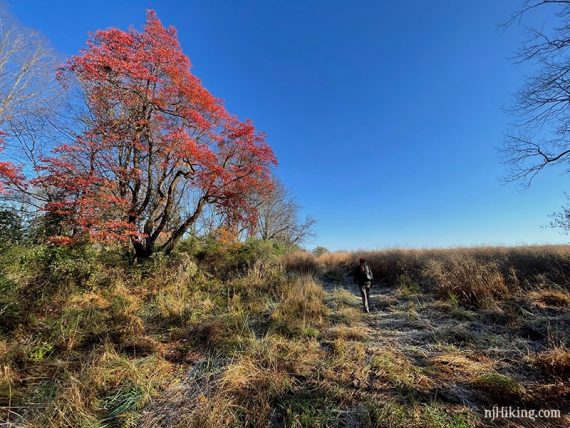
x=143 y=249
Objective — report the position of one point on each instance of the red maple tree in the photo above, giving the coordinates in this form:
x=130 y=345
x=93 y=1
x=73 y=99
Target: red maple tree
x=159 y=149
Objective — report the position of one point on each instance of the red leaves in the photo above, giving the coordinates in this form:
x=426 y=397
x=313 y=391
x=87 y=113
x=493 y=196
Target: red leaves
x=9 y=173
x=160 y=147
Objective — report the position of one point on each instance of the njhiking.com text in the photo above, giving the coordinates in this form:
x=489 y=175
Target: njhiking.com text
x=508 y=412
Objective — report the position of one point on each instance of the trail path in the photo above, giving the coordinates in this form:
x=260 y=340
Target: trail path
x=423 y=330
x=445 y=348
x=404 y=321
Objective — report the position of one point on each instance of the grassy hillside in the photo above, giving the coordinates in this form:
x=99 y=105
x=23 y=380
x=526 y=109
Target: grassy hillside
x=255 y=335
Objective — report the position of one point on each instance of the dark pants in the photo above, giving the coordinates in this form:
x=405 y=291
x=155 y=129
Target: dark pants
x=365 y=293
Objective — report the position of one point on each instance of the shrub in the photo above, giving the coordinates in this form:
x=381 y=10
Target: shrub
x=11 y=228
x=226 y=259
x=319 y=251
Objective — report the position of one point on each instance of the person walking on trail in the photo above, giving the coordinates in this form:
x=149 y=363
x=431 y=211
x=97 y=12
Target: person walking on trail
x=363 y=277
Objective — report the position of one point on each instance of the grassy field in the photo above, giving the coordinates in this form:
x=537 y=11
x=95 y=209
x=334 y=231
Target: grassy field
x=254 y=335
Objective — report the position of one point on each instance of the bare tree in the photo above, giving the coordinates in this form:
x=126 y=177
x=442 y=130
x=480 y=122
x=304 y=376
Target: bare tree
x=541 y=134
x=27 y=69
x=278 y=217
x=31 y=105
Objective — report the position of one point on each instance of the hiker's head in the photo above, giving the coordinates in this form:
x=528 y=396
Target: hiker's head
x=362 y=260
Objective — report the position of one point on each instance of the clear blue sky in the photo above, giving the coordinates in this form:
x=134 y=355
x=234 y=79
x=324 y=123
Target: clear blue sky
x=385 y=115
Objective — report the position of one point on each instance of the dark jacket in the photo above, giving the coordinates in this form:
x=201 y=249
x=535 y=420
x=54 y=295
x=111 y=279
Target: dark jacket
x=360 y=274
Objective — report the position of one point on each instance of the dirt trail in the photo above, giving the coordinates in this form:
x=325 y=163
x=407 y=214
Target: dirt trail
x=406 y=322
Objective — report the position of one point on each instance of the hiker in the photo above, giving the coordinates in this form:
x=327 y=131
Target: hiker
x=363 y=277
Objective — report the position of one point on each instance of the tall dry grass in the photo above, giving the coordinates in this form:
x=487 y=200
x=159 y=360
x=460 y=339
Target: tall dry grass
x=476 y=277
x=171 y=344
x=301 y=307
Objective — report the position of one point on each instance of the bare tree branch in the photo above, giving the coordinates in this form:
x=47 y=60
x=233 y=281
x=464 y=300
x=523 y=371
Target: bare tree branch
x=27 y=70
x=278 y=217
x=540 y=136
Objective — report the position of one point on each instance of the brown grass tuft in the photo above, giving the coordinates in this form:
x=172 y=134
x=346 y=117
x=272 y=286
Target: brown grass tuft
x=551 y=297
x=301 y=306
x=554 y=362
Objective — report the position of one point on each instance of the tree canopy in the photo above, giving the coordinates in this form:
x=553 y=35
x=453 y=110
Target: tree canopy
x=155 y=148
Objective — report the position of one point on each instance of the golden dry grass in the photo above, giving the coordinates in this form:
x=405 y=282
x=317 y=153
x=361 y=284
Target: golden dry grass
x=555 y=361
x=549 y=297
x=285 y=343
x=347 y=332
x=301 y=306
x=477 y=277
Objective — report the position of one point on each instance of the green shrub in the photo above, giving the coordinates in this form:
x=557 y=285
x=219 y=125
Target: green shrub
x=11 y=228
x=319 y=251
x=407 y=286
x=227 y=259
